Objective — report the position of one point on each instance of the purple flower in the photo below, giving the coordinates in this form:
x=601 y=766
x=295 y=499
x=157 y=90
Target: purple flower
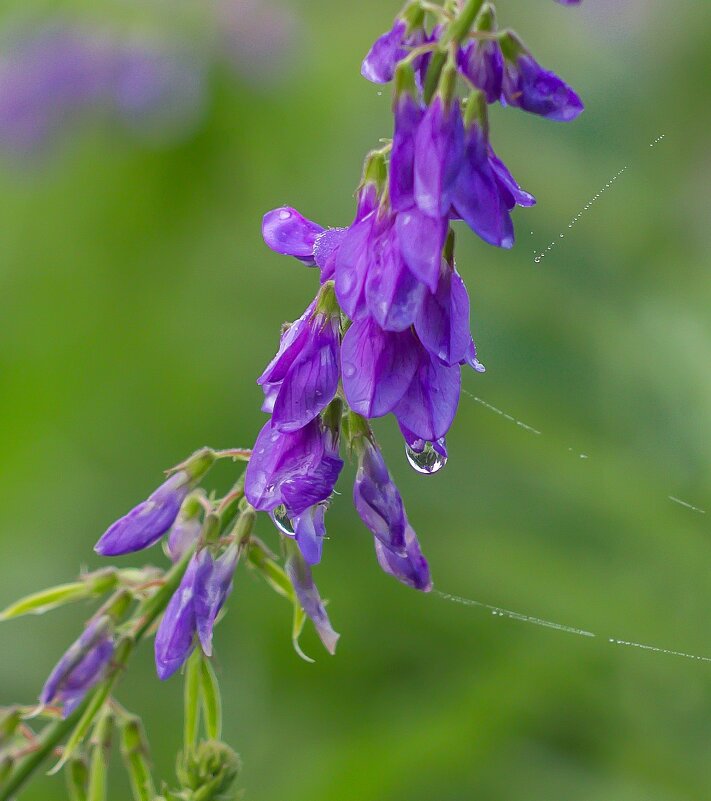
x=376 y=498
x=146 y=524
x=377 y=366
x=429 y=405
x=175 y=638
x=301 y=579
x=443 y=323
x=439 y=150
x=529 y=87
x=302 y=378
x=291 y=234
x=482 y=63
x=477 y=197
x=213 y=584
x=310 y=532
x=297 y=468
x=183 y=535
x=352 y=263
x=568 y=2
x=421 y=239
x=511 y=192
x=82 y=667
x=408 y=115
x=193 y=609
x=379 y=65
x=394 y=296
x=326 y=249
x=410 y=568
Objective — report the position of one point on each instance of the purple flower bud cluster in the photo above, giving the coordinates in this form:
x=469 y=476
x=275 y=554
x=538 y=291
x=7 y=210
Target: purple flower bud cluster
x=207 y=582
x=389 y=331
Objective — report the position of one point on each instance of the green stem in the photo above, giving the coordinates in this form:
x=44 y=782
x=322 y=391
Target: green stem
x=54 y=733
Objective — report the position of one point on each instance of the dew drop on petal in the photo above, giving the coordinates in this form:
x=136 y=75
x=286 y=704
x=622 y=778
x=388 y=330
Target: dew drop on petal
x=282 y=521
x=427 y=462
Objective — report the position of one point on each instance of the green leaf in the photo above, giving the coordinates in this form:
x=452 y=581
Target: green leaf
x=40 y=602
x=191 y=701
x=211 y=700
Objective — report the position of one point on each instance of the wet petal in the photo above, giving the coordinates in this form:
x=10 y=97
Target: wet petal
x=377 y=367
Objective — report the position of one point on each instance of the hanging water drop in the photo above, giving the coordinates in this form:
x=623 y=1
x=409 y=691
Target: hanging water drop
x=282 y=521
x=428 y=461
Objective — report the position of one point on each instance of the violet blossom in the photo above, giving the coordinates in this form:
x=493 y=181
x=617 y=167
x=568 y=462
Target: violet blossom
x=82 y=667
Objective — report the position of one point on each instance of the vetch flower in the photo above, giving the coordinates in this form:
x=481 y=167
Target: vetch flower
x=443 y=322
x=377 y=366
x=212 y=586
x=295 y=468
x=439 y=150
x=430 y=402
x=185 y=531
x=375 y=496
x=289 y=233
x=482 y=61
x=531 y=88
x=82 y=667
x=149 y=521
x=410 y=568
x=193 y=609
x=302 y=378
x=175 y=638
x=310 y=532
x=301 y=579
x=389 y=49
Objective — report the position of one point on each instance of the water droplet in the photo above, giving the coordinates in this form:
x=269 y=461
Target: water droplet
x=428 y=461
x=537 y=260
x=284 y=214
x=349 y=370
x=282 y=521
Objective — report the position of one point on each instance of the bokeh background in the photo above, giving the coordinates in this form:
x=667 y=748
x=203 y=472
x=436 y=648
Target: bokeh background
x=140 y=143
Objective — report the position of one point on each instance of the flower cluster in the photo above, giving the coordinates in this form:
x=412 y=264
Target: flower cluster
x=389 y=330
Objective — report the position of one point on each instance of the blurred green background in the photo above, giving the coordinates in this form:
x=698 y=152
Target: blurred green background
x=139 y=305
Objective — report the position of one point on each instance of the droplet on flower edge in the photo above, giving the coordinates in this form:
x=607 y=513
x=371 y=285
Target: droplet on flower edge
x=282 y=521
x=427 y=462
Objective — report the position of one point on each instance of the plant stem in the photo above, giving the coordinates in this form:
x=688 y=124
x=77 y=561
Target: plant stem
x=54 y=733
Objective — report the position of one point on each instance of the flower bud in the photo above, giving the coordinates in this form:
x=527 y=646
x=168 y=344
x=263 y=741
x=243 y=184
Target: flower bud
x=82 y=667
x=148 y=522
x=531 y=88
x=209 y=771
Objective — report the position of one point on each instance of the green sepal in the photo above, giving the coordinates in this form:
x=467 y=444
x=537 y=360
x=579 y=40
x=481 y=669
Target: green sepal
x=77 y=777
x=460 y=27
x=486 y=19
x=477 y=111
x=99 y=764
x=511 y=45
x=134 y=750
x=414 y=15
x=191 y=701
x=10 y=720
x=211 y=700
x=7 y=763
